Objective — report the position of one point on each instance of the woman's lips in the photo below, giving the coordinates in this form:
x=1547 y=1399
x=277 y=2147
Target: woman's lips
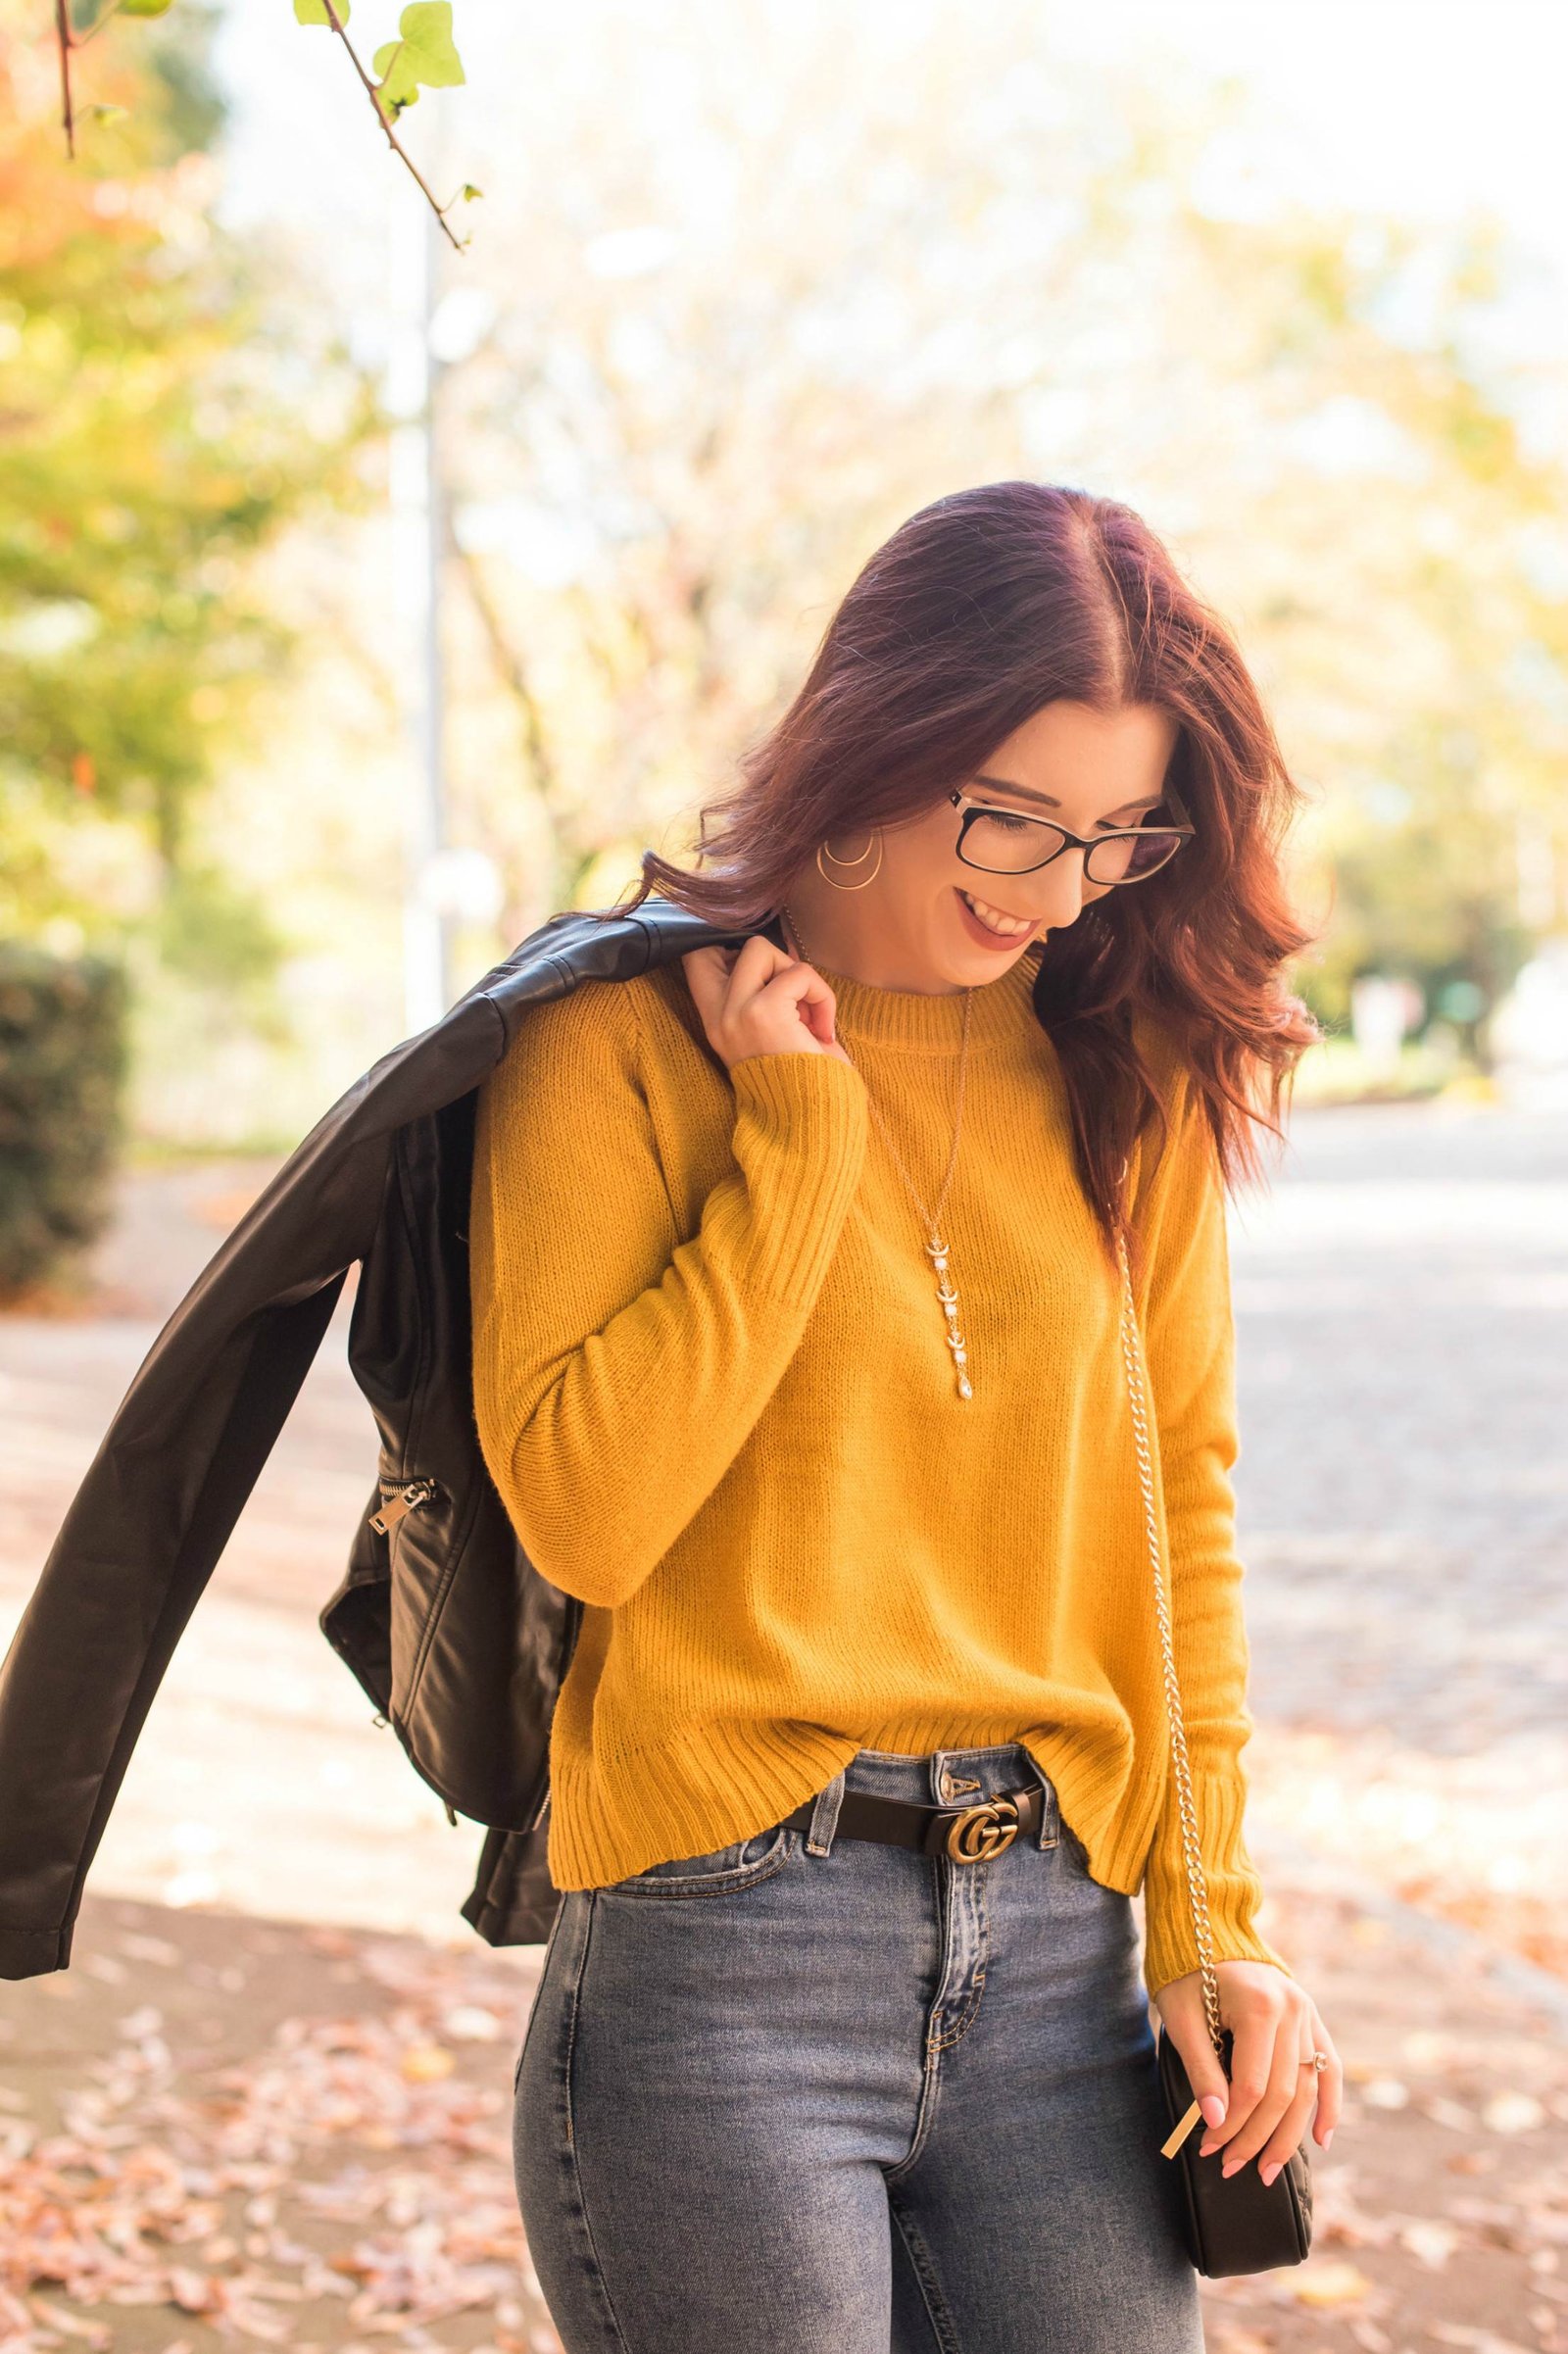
x=983 y=932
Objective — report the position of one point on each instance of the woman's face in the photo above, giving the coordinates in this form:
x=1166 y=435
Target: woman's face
x=929 y=913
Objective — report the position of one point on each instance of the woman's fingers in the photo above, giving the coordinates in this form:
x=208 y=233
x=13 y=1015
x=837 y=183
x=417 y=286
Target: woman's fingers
x=1260 y=2005
x=1288 y=2134
x=723 y=978
x=1328 y=2085
x=1274 y=2089
x=1320 y=2088
x=813 y=1001
x=707 y=971
x=1188 y=2031
x=1249 y=2115
x=754 y=1000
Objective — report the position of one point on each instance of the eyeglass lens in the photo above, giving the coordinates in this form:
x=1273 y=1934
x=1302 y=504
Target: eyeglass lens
x=1005 y=844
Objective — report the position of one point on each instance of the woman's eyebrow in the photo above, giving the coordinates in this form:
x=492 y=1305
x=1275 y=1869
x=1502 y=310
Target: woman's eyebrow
x=1002 y=784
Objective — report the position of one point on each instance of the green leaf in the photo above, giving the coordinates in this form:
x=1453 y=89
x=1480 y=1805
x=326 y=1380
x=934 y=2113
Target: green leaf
x=398 y=84
x=424 y=56
x=144 y=8
x=100 y=111
x=313 y=12
x=470 y=191
x=426 y=27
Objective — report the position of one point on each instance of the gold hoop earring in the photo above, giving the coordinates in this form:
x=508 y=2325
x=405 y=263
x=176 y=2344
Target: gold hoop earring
x=876 y=837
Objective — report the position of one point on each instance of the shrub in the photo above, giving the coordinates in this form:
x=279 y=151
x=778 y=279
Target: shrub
x=63 y=1053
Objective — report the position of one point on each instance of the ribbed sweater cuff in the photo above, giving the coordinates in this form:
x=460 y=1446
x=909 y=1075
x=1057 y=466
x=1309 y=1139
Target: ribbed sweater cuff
x=1234 y=1890
x=800 y=1137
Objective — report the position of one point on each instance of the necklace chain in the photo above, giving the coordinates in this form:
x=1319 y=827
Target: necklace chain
x=936 y=1248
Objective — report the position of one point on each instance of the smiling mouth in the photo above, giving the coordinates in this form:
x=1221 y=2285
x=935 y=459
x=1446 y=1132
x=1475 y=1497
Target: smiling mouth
x=996 y=922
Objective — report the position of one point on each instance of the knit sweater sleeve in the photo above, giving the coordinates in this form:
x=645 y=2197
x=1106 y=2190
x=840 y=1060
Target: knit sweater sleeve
x=1189 y=1349
x=618 y=1367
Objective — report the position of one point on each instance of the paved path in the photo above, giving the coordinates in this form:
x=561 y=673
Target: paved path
x=1402 y=1320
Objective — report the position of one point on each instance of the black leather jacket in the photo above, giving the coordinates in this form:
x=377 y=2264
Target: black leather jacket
x=459 y=1642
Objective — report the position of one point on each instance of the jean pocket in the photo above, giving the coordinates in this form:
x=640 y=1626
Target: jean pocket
x=724 y=1871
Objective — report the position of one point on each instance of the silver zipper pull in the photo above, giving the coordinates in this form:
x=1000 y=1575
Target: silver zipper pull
x=404 y=1499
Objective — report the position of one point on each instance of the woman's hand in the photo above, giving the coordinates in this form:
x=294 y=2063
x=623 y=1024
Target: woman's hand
x=1262 y=2112
x=756 y=999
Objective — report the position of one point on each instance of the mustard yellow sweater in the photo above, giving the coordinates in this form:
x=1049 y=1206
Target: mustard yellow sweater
x=713 y=1386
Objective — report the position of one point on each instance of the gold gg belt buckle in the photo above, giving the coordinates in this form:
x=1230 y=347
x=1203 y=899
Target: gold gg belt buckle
x=983 y=1830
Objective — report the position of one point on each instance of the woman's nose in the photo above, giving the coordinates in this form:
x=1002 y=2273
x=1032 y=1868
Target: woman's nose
x=1059 y=890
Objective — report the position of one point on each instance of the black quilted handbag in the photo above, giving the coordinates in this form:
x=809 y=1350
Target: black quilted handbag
x=1232 y=2222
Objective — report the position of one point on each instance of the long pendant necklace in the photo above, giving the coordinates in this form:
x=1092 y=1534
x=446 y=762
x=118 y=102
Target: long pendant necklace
x=936 y=1249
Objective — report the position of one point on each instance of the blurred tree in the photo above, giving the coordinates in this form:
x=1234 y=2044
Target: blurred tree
x=165 y=419
x=1400 y=578
x=757 y=297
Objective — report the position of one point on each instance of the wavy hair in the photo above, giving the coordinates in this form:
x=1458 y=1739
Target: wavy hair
x=981 y=608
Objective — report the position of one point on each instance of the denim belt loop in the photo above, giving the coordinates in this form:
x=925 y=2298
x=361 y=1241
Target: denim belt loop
x=949 y=1789
x=825 y=1817
x=1049 y=1809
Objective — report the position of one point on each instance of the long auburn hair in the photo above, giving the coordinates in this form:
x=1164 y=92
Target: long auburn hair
x=983 y=607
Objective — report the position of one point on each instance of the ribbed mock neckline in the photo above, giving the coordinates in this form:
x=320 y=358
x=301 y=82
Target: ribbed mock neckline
x=934 y=1022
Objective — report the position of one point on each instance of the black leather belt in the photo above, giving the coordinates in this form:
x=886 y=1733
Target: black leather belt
x=969 y=1835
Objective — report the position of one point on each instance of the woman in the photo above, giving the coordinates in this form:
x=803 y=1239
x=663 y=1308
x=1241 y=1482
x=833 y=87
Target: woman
x=796 y=1360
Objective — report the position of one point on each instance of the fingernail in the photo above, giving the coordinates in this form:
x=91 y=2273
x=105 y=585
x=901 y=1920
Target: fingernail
x=1271 y=2170
x=1213 y=2109
x=1328 y=2138
x=1232 y=2166
x=1207 y=2149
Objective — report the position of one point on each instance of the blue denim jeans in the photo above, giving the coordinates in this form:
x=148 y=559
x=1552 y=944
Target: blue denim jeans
x=817 y=2096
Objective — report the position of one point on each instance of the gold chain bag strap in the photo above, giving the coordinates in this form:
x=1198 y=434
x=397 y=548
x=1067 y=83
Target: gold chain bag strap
x=1231 y=2222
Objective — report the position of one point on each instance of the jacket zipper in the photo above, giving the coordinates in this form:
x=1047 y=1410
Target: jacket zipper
x=399 y=1498
x=403 y=1496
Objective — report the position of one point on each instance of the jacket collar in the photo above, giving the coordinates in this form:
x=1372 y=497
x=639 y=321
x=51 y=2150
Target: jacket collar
x=576 y=946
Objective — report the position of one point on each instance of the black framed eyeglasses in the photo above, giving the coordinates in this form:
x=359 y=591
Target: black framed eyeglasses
x=1005 y=842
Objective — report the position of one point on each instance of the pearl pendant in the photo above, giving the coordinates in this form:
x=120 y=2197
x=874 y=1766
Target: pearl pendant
x=937 y=1252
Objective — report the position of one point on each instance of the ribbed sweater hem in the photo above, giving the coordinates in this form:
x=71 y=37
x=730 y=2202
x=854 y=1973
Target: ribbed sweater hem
x=720 y=1783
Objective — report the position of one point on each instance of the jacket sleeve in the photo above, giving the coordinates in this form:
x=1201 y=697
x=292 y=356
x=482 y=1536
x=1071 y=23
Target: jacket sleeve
x=132 y=1558
x=618 y=1367
x=1189 y=1349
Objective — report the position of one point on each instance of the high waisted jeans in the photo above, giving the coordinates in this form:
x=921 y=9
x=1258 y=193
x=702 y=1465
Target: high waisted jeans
x=817 y=2096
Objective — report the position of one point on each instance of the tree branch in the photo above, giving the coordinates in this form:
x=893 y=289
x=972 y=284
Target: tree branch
x=63 y=35
x=373 y=95
x=69 y=39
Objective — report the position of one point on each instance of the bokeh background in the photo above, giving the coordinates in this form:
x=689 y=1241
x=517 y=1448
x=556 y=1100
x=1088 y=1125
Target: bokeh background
x=365 y=601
